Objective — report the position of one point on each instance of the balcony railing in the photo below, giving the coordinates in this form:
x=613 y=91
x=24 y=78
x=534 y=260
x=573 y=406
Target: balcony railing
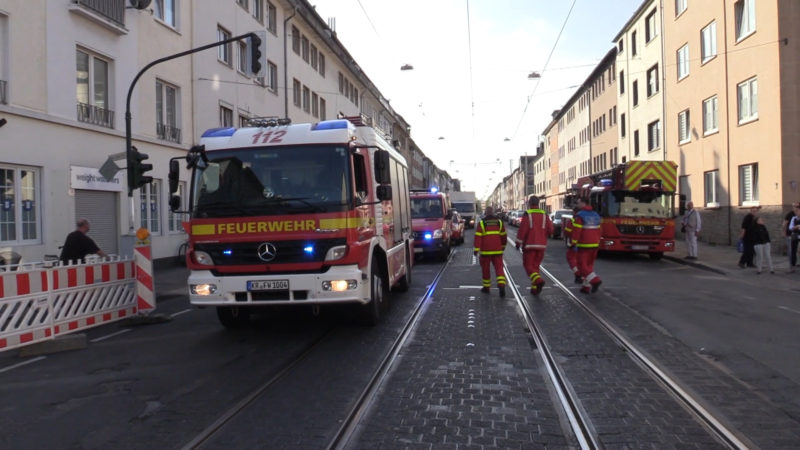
x=168 y=133
x=113 y=10
x=3 y=99
x=95 y=115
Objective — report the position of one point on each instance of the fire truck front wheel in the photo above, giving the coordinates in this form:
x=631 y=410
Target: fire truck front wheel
x=405 y=283
x=655 y=256
x=233 y=316
x=370 y=314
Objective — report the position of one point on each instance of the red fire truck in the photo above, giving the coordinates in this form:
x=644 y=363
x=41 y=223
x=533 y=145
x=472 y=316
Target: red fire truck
x=636 y=201
x=303 y=214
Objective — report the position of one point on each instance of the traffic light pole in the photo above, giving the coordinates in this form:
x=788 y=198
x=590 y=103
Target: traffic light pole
x=130 y=157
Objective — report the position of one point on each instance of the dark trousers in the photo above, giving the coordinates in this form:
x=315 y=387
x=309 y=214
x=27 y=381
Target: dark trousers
x=748 y=254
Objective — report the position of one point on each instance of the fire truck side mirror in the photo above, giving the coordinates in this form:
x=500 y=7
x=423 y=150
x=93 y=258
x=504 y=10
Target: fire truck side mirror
x=384 y=192
x=174 y=203
x=382 y=171
x=174 y=176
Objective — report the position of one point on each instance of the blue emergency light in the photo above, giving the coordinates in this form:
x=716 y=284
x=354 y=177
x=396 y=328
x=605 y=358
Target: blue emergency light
x=227 y=252
x=309 y=249
x=428 y=236
x=434 y=190
x=219 y=132
x=606 y=182
x=330 y=125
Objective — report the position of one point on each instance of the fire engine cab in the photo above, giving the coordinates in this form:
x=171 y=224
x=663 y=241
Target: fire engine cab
x=303 y=214
x=431 y=220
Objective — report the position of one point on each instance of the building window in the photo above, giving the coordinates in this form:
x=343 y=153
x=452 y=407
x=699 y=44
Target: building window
x=164 y=10
x=621 y=45
x=244 y=121
x=224 y=51
x=745 y=12
x=708 y=41
x=242 y=56
x=243 y=3
x=296 y=92
x=636 y=143
x=322 y=64
x=272 y=76
x=710 y=115
x=653 y=135
x=680 y=7
x=174 y=219
x=748 y=184
x=652 y=81
x=633 y=43
x=683 y=61
x=341 y=83
x=314 y=104
x=314 y=55
x=306 y=99
x=19 y=206
x=295 y=39
x=304 y=48
x=711 y=188
x=225 y=116
x=258 y=10
x=622 y=125
x=684 y=127
x=272 y=20
x=322 y=108
x=92 y=80
x=167 y=112
x=747 y=93
x=150 y=207
x=635 y=92
x=621 y=82
x=650 y=30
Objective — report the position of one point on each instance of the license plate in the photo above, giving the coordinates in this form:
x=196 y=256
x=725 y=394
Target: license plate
x=268 y=285
x=639 y=247
x=417 y=249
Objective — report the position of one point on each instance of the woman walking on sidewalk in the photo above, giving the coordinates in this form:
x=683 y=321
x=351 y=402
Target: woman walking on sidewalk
x=748 y=237
x=762 y=247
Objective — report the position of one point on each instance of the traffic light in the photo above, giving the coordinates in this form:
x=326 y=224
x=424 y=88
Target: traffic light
x=137 y=169
x=255 y=54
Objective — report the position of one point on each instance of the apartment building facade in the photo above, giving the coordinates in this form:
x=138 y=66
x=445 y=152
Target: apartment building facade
x=640 y=103
x=63 y=101
x=601 y=84
x=733 y=109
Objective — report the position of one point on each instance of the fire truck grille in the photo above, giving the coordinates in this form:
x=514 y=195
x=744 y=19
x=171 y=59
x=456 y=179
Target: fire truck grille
x=281 y=252
x=644 y=230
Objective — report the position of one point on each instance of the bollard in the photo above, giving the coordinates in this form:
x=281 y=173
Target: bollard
x=145 y=289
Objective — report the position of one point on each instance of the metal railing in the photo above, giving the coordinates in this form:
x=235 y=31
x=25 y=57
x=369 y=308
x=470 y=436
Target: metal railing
x=95 y=115
x=168 y=133
x=113 y=10
x=3 y=85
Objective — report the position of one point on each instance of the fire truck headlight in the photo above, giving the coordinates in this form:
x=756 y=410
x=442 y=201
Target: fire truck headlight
x=203 y=258
x=658 y=228
x=668 y=244
x=609 y=243
x=335 y=253
x=203 y=289
x=339 y=285
x=437 y=234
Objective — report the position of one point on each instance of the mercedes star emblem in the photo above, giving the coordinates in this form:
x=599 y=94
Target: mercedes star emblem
x=267 y=251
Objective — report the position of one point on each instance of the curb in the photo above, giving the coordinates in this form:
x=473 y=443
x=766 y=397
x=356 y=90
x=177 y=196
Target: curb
x=696 y=265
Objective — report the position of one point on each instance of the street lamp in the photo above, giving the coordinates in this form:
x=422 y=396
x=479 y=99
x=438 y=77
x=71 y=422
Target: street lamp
x=534 y=75
x=406 y=67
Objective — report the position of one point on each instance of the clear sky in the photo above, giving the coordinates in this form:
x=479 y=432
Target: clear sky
x=469 y=90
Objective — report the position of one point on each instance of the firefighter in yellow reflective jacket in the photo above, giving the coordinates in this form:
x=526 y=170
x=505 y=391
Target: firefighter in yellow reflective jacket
x=490 y=241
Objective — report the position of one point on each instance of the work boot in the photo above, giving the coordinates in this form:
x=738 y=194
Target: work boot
x=596 y=284
x=485 y=290
x=578 y=279
x=586 y=289
x=502 y=290
x=536 y=289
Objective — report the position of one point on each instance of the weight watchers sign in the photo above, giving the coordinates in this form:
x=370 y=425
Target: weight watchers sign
x=90 y=178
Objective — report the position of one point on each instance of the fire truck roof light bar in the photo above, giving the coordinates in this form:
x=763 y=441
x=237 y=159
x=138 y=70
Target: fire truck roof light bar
x=219 y=132
x=331 y=125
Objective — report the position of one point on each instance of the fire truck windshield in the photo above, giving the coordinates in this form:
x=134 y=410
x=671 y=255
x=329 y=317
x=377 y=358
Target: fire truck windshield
x=273 y=180
x=637 y=204
x=426 y=208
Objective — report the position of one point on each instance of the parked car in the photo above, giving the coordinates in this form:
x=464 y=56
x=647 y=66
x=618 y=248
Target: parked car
x=516 y=218
x=558 y=218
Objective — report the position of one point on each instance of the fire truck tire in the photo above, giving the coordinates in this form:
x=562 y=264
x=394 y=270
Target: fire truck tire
x=655 y=256
x=370 y=314
x=444 y=253
x=405 y=283
x=233 y=316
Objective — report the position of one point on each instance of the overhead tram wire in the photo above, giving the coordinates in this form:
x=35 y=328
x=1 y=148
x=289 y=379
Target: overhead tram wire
x=552 y=50
x=369 y=20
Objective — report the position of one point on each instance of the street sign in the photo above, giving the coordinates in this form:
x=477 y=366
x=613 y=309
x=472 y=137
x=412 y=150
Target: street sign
x=109 y=169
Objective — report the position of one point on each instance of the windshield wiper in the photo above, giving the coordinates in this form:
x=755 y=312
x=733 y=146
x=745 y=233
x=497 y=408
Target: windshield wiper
x=216 y=206
x=303 y=200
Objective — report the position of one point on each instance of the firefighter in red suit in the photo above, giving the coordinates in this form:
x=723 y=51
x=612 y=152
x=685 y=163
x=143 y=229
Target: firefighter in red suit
x=572 y=256
x=490 y=241
x=586 y=240
x=532 y=235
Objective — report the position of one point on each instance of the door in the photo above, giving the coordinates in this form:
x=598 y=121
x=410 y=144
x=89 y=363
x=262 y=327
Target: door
x=100 y=207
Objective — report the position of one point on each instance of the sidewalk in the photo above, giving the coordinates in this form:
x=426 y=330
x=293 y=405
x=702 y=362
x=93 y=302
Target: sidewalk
x=724 y=260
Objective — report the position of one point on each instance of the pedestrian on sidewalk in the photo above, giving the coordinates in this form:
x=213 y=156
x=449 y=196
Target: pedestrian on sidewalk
x=762 y=247
x=586 y=239
x=532 y=235
x=791 y=239
x=490 y=241
x=78 y=244
x=794 y=229
x=572 y=253
x=748 y=237
x=691 y=229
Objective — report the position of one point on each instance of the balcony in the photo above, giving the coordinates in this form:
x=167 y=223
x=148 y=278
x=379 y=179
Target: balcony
x=3 y=98
x=95 y=115
x=168 y=133
x=108 y=13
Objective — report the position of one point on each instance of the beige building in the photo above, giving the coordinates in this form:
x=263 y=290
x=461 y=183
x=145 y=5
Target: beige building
x=640 y=81
x=602 y=84
x=734 y=123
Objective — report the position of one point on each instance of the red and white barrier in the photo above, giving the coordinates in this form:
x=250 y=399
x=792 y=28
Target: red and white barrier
x=39 y=302
x=145 y=290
